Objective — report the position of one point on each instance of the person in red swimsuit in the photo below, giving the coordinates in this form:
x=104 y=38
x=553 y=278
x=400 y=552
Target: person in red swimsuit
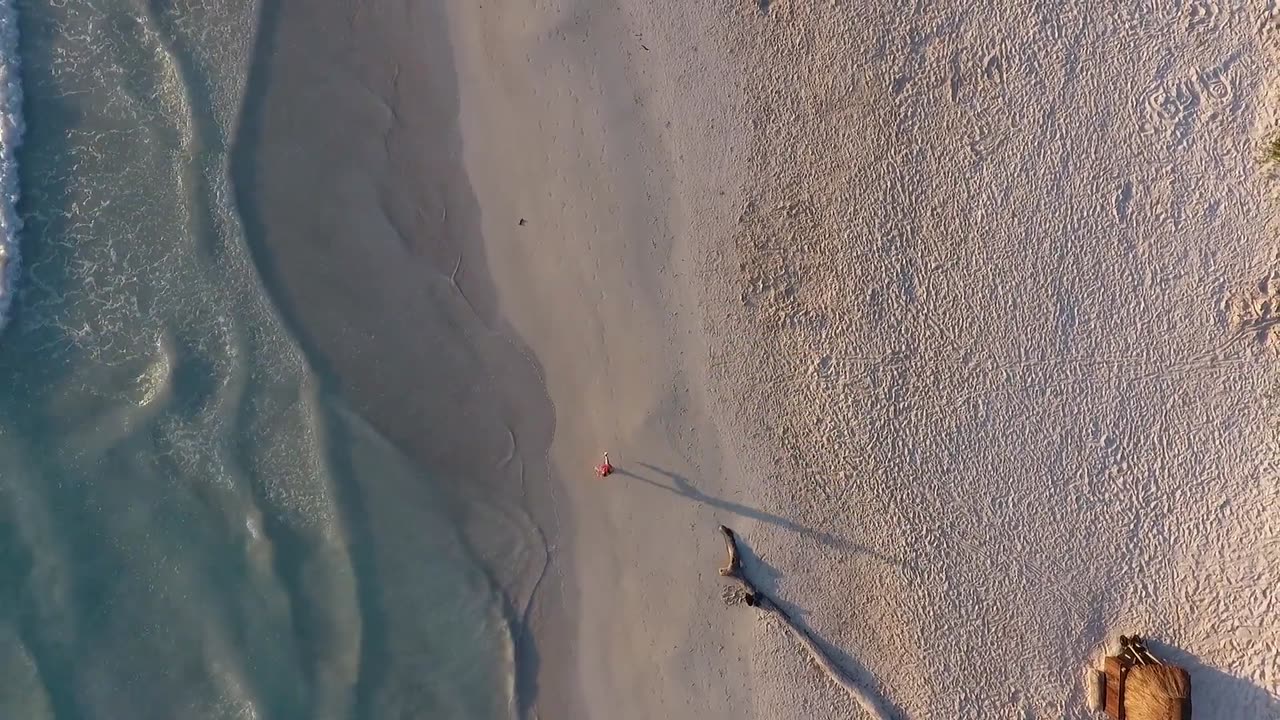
x=604 y=468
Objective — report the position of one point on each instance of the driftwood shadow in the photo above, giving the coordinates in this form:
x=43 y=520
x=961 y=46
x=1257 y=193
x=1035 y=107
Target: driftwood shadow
x=765 y=577
x=758 y=580
x=1215 y=694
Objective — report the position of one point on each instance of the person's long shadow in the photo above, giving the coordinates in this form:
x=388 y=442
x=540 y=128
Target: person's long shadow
x=680 y=485
x=1217 y=694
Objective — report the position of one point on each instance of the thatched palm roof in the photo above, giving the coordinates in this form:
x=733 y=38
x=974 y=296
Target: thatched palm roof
x=1157 y=692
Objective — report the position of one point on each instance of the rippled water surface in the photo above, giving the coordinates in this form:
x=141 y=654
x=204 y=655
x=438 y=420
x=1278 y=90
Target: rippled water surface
x=193 y=523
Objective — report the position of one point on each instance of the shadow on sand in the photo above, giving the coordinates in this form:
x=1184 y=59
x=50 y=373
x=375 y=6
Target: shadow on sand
x=765 y=578
x=1217 y=694
x=853 y=677
x=680 y=485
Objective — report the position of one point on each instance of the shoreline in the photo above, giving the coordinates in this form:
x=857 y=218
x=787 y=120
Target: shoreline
x=365 y=241
x=592 y=178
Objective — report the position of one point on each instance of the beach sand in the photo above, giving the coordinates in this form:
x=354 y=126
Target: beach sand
x=960 y=316
x=1005 y=286
x=479 y=232
x=600 y=143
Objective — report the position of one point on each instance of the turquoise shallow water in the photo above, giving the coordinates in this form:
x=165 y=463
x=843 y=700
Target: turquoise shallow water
x=194 y=522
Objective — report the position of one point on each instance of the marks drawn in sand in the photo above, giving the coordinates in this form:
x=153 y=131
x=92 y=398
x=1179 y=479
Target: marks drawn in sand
x=1269 y=21
x=1168 y=109
x=1129 y=21
x=993 y=68
x=1218 y=85
x=1203 y=16
x=1255 y=313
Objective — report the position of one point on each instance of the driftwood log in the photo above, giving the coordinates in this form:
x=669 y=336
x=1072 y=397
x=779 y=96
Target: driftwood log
x=756 y=598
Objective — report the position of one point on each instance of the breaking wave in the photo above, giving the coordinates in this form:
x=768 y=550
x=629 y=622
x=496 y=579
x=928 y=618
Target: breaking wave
x=10 y=137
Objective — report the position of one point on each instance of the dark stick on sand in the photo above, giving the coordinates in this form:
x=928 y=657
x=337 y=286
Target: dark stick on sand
x=754 y=597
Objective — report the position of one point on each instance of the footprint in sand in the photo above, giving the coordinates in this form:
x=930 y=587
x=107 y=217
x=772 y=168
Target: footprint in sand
x=1255 y=312
x=1168 y=109
x=1269 y=21
x=993 y=69
x=987 y=138
x=1129 y=22
x=1203 y=16
x=1217 y=85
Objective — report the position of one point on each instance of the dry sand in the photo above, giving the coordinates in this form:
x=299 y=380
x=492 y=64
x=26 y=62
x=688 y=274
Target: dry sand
x=1008 y=278
x=962 y=316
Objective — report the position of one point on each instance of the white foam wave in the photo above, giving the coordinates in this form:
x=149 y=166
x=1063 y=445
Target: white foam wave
x=11 y=128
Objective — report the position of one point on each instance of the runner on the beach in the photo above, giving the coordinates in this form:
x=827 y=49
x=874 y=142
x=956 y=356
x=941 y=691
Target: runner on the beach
x=604 y=468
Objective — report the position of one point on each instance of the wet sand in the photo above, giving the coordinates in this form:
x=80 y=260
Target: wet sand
x=364 y=231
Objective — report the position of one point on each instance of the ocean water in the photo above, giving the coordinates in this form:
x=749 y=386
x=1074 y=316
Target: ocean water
x=11 y=128
x=195 y=521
